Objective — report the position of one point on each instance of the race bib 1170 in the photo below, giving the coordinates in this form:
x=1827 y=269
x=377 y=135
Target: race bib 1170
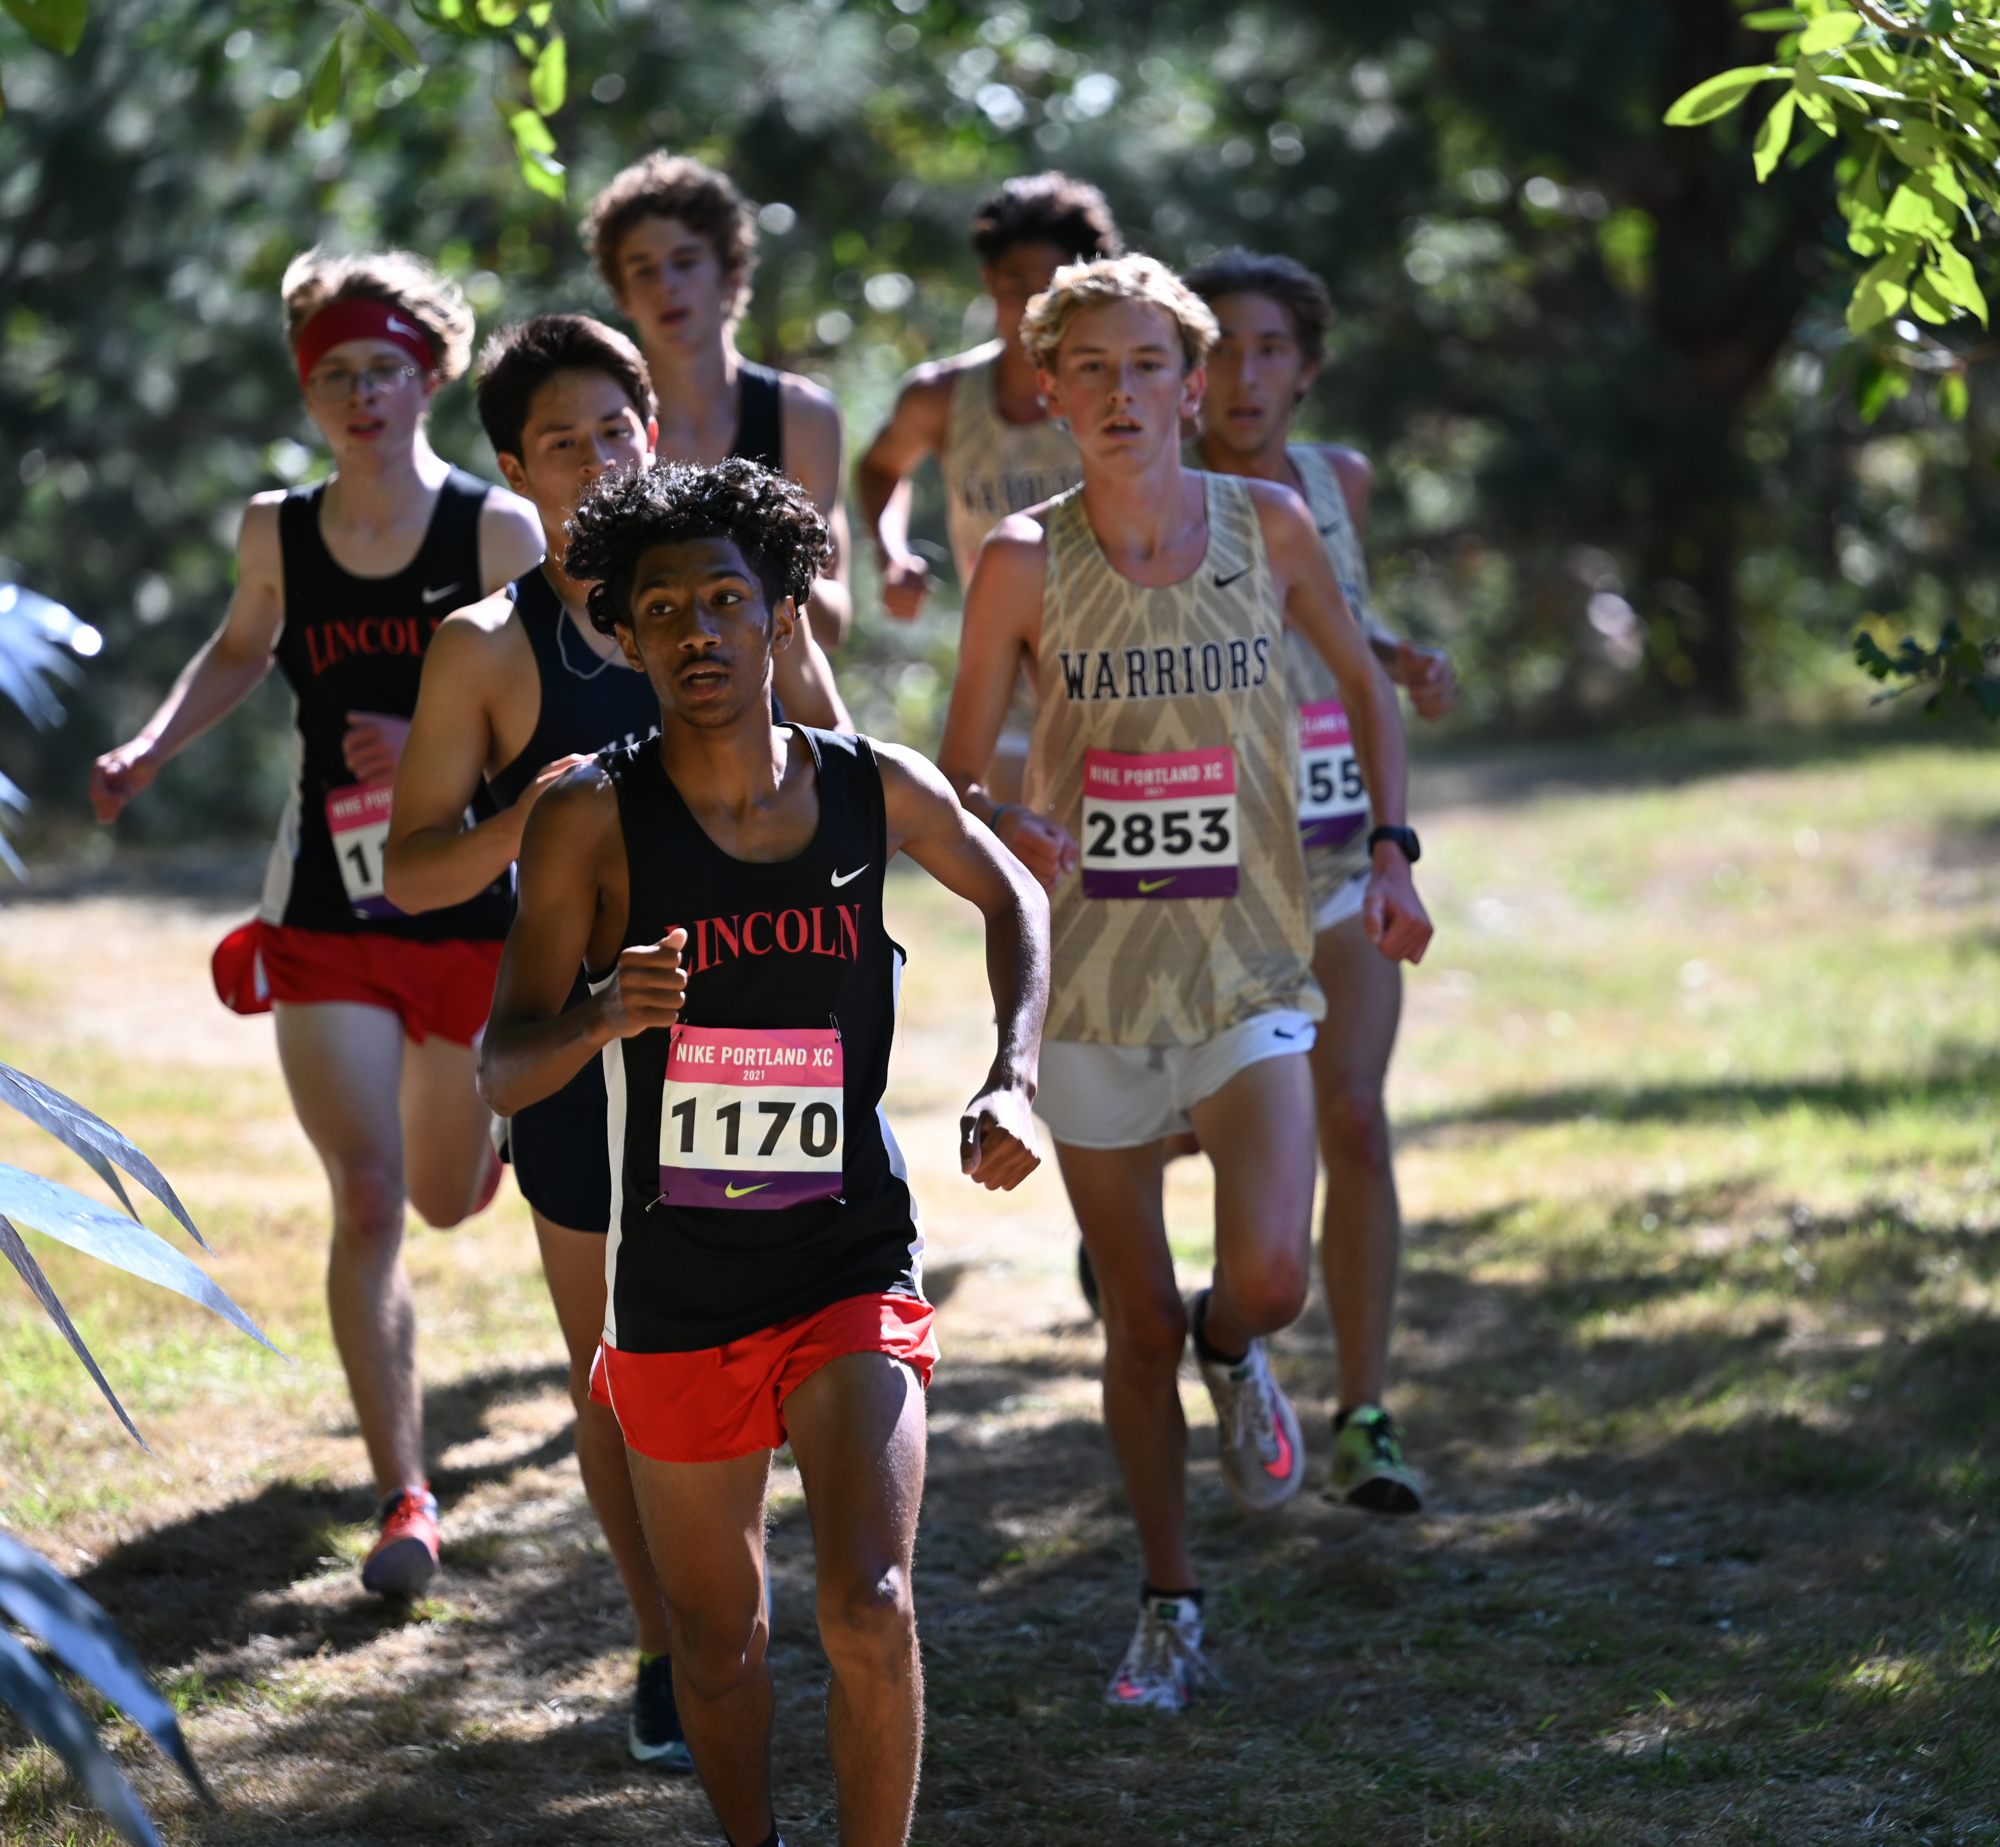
x=751 y=1119
x=1333 y=804
x=1160 y=825
x=358 y=819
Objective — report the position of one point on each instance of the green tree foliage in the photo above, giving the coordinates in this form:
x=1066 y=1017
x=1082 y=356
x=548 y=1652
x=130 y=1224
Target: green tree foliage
x=1591 y=356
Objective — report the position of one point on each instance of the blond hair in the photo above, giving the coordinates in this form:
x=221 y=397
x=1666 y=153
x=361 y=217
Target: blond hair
x=1093 y=285
x=318 y=277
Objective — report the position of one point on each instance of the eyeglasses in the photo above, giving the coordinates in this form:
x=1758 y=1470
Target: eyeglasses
x=336 y=384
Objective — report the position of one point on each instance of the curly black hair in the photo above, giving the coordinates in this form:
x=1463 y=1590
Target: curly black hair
x=770 y=518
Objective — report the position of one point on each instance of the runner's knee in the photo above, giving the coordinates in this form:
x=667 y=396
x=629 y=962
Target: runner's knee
x=367 y=1201
x=717 y=1649
x=1270 y=1294
x=1354 y=1127
x=868 y=1616
x=1150 y=1334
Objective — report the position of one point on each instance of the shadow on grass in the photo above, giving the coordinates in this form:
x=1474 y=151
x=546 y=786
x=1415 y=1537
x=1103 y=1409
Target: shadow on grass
x=1964 y=1076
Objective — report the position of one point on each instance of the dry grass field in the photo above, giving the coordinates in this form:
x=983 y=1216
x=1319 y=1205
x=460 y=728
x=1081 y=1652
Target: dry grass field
x=1698 y=1349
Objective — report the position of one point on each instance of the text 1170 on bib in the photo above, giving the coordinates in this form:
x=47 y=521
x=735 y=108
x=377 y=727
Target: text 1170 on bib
x=358 y=819
x=751 y=1120
x=1159 y=825
x=1333 y=804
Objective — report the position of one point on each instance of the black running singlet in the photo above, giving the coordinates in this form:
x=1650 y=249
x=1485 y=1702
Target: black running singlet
x=760 y=425
x=356 y=644
x=588 y=702
x=754 y=1176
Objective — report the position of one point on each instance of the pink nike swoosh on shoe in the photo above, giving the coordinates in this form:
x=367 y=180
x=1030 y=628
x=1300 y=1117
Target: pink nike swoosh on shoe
x=1279 y=1469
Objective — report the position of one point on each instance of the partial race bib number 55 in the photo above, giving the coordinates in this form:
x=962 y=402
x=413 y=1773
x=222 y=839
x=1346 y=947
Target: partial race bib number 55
x=358 y=819
x=1333 y=804
x=1160 y=825
x=751 y=1120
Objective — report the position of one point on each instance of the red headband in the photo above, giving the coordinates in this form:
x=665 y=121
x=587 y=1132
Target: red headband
x=360 y=317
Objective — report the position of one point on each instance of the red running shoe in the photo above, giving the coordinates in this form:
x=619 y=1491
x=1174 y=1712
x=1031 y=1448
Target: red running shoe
x=405 y=1558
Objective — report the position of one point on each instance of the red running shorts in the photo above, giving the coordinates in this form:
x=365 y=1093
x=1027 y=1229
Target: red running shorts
x=722 y=1402
x=433 y=988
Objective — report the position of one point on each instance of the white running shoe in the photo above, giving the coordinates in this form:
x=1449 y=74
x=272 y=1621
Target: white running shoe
x=1263 y=1450
x=1163 y=1663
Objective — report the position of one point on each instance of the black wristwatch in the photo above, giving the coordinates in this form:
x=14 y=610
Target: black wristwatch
x=1404 y=837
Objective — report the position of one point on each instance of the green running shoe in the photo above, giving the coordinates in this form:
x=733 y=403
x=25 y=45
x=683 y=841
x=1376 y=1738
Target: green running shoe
x=1368 y=1466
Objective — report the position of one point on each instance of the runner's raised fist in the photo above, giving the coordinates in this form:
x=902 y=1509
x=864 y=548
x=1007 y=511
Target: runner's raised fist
x=996 y=1139
x=372 y=745
x=906 y=581
x=648 y=987
x=119 y=775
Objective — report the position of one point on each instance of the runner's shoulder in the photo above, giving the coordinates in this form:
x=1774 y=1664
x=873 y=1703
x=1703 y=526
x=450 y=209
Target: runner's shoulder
x=577 y=805
x=257 y=540
x=808 y=399
x=1352 y=469
x=477 y=637
x=508 y=519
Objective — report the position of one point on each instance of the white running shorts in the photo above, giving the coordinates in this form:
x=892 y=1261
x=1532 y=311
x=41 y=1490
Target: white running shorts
x=1344 y=902
x=1124 y=1096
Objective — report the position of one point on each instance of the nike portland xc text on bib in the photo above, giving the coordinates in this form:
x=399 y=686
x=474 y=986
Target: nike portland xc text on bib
x=751 y=1119
x=1161 y=825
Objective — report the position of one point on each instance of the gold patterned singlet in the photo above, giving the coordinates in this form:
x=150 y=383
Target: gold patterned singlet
x=1333 y=803
x=1166 y=743
x=992 y=467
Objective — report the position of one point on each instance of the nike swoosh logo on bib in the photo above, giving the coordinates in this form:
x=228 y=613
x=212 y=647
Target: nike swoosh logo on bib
x=1157 y=884
x=1223 y=583
x=734 y=1191
x=847 y=878
x=431 y=596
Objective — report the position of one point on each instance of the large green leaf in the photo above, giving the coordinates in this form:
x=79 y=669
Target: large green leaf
x=324 y=103
x=1829 y=31
x=58 y=24
x=548 y=82
x=1719 y=94
x=1773 y=133
x=391 y=35
x=1881 y=292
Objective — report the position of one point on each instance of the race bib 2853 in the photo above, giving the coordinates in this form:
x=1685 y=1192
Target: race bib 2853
x=1161 y=825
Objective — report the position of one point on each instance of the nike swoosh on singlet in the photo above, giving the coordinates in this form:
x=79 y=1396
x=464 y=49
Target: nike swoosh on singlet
x=847 y=878
x=734 y=1191
x=431 y=596
x=1223 y=583
x=1332 y=525
x=1156 y=884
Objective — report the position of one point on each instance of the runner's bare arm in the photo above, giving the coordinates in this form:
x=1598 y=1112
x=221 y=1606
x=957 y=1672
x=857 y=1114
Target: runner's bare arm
x=802 y=677
x=510 y=539
x=916 y=428
x=1003 y=606
x=433 y=859
x=1312 y=601
x=227 y=668
x=926 y=821
x=815 y=453
x=573 y=901
x=1426 y=674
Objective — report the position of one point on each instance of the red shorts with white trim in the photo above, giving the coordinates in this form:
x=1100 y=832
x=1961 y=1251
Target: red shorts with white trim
x=444 y=988
x=722 y=1402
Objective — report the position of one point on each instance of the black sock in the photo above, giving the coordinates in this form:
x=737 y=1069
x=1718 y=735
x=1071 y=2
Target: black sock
x=1213 y=1355
x=1147 y=1592
x=773 y=1839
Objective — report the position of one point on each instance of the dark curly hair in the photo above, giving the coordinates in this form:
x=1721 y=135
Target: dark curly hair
x=769 y=517
x=1046 y=208
x=1290 y=284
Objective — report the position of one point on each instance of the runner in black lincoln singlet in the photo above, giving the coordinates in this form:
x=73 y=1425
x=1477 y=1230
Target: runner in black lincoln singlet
x=344 y=585
x=517 y=689
x=725 y=880
x=676 y=246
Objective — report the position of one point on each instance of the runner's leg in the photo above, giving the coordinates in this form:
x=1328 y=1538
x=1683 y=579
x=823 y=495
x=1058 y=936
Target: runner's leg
x=857 y=1429
x=1361 y=1236
x=704 y=1526
x=343 y=1063
x=1115 y=1193
x=573 y=1262
x=448 y=1156
x=1257 y=1131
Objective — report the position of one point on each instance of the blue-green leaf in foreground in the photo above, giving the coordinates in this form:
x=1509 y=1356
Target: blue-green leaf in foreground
x=76 y=1630
x=45 y=1709
x=94 y=1139
x=391 y=35
x=18 y=1254
x=66 y=1214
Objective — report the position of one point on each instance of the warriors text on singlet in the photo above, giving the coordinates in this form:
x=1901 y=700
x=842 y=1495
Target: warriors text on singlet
x=1166 y=744
x=754 y=1176
x=356 y=644
x=1333 y=803
x=992 y=467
